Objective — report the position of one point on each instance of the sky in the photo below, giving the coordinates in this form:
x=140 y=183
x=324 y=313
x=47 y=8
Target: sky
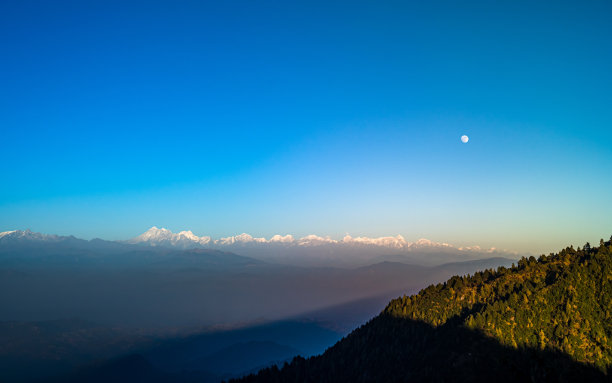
x=309 y=118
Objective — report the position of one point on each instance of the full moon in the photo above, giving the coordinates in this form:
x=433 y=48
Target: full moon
x=465 y=139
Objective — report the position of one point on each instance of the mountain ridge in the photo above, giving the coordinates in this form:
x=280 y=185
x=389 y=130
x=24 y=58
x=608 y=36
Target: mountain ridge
x=308 y=251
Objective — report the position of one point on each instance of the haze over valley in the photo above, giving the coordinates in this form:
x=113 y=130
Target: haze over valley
x=133 y=294
x=157 y=282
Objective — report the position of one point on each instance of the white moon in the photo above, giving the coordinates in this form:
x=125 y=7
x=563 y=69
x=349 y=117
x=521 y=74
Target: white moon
x=465 y=139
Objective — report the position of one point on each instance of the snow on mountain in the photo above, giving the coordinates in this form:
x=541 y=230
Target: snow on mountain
x=164 y=237
x=315 y=250
x=28 y=235
x=243 y=238
x=311 y=250
x=282 y=239
x=392 y=242
x=427 y=243
x=6 y=233
x=315 y=240
x=186 y=239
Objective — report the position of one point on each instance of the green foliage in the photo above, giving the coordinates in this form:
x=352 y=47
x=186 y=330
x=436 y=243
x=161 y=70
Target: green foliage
x=561 y=302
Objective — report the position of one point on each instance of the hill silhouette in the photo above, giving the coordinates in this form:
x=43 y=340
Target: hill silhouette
x=545 y=320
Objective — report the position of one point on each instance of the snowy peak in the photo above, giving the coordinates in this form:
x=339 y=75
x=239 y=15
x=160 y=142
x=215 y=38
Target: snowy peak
x=427 y=243
x=397 y=242
x=315 y=240
x=282 y=239
x=7 y=233
x=188 y=235
x=28 y=235
x=243 y=238
x=155 y=234
x=164 y=237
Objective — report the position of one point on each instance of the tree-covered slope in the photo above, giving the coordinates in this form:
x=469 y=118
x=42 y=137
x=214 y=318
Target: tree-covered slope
x=543 y=320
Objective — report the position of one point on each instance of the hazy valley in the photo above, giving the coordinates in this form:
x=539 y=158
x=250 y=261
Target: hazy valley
x=69 y=302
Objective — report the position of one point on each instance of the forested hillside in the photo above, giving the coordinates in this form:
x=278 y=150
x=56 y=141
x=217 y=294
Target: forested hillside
x=541 y=320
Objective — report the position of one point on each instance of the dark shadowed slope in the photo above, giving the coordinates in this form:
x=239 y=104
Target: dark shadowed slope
x=207 y=357
x=179 y=354
x=129 y=369
x=547 y=320
x=33 y=350
x=242 y=357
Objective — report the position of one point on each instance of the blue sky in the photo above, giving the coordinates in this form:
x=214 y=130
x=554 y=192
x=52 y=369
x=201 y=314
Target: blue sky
x=312 y=117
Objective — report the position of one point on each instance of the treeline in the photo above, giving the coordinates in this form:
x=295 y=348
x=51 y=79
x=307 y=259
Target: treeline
x=561 y=302
x=545 y=319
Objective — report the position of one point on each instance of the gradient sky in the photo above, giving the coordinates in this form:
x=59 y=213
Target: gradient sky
x=326 y=117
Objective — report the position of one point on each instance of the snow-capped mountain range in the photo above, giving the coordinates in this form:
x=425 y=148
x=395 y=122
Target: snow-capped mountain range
x=311 y=250
x=186 y=239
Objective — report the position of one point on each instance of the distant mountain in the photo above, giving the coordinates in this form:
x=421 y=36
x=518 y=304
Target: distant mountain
x=313 y=250
x=309 y=251
x=29 y=249
x=28 y=238
x=27 y=235
x=129 y=284
x=545 y=320
x=164 y=237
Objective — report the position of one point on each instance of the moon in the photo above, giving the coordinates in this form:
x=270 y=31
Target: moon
x=465 y=139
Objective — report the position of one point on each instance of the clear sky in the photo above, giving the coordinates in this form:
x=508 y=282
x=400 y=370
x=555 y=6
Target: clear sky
x=325 y=117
